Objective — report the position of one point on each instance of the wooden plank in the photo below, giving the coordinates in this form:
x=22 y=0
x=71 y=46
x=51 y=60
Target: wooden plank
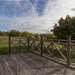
x=30 y=64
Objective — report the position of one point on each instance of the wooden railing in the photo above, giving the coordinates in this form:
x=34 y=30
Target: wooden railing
x=59 y=49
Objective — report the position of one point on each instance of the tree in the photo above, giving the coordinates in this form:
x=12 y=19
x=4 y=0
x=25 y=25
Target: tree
x=14 y=33
x=65 y=27
x=26 y=34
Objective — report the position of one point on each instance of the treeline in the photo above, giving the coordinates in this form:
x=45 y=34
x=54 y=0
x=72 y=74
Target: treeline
x=14 y=33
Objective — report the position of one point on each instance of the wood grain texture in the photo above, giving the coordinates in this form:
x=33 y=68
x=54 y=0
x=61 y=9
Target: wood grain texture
x=30 y=64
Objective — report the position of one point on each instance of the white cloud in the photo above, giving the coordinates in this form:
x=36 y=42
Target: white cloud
x=53 y=11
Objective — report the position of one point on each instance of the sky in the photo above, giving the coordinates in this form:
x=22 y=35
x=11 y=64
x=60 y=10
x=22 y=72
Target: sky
x=37 y=16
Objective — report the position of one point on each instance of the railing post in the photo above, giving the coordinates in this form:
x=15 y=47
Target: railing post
x=19 y=43
x=41 y=42
x=68 y=50
x=9 y=41
x=28 y=44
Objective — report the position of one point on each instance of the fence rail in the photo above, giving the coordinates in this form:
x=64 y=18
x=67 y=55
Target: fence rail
x=60 y=49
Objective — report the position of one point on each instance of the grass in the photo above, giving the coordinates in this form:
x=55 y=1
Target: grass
x=3 y=45
x=3 y=48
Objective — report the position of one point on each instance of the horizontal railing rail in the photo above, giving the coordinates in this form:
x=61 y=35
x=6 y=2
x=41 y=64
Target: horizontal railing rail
x=56 y=48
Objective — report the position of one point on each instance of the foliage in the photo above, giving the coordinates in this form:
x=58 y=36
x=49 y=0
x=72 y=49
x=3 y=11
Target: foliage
x=51 y=36
x=2 y=33
x=65 y=27
x=14 y=33
x=26 y=34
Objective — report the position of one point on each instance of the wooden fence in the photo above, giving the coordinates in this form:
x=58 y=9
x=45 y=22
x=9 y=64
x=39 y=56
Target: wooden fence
x=63 y=50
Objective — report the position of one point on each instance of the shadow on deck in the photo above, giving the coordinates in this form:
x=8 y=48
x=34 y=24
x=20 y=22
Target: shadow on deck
x=30 y=64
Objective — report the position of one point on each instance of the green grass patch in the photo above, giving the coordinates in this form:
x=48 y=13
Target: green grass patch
x=4 y=45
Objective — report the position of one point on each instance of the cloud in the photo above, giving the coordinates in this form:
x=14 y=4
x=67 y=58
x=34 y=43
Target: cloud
x=29 y=15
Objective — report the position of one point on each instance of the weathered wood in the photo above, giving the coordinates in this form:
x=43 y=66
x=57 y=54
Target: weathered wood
x=42 y=46
x=68 y=51
x=28 y=44
x=31 y=64
x=9 y=42
x=41 y=43
x=19 y=43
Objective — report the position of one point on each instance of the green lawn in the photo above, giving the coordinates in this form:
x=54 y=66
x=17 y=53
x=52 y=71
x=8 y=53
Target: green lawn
x=4 y=45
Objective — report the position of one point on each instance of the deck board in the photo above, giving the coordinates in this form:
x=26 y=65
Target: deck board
x=30 y=64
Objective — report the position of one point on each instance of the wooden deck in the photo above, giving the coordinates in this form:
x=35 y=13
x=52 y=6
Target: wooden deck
x=30 y=64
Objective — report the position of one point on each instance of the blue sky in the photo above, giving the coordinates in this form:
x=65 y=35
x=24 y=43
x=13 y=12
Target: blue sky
x=11 y=8
x=33 y=15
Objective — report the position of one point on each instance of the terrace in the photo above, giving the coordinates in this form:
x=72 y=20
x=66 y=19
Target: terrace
x=31 y=64
x=31 y=56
